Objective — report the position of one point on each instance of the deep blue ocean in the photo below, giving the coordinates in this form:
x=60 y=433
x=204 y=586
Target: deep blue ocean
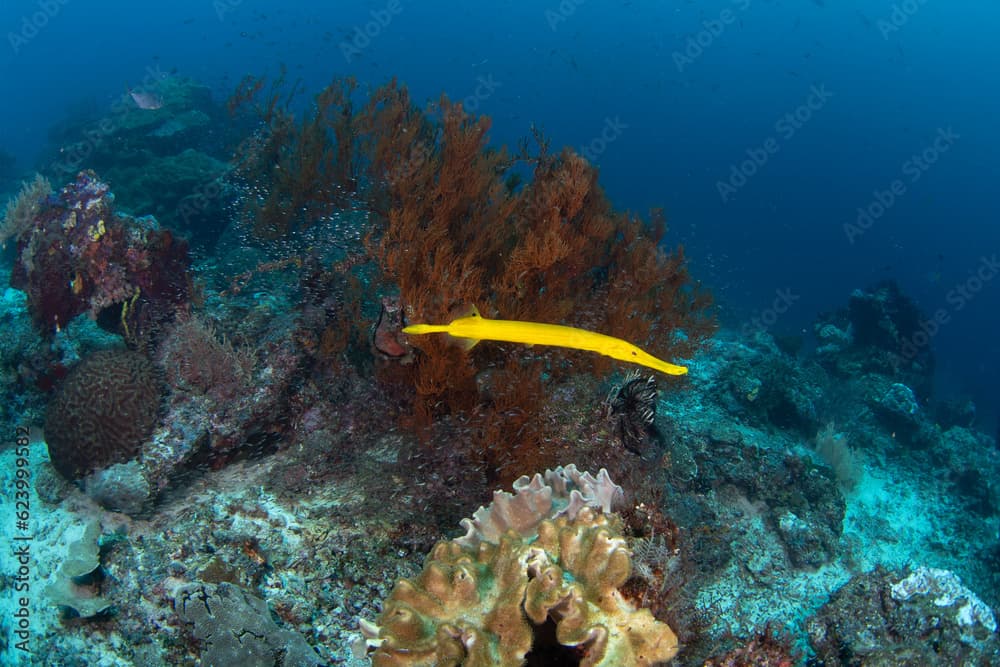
x=765 y=129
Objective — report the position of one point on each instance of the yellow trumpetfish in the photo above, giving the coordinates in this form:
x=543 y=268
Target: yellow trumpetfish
x=473 y=328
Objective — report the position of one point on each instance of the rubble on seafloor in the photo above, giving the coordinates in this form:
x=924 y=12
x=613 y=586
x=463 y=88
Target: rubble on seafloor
x=317 y=531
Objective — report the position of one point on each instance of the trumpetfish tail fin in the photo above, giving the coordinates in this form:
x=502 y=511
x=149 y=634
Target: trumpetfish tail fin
x=459 y=313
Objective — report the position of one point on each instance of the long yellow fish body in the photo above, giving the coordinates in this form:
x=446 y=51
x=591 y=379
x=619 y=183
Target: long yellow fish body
x=474 y=328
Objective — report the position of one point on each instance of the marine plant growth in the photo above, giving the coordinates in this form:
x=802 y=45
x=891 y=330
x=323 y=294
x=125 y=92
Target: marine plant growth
x=454 y=221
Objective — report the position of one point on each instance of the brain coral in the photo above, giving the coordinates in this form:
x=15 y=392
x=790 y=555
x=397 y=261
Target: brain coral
x=549 y=583
x=103 y=413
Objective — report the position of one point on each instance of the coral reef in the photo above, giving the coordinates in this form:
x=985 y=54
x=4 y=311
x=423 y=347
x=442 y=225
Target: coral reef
x=802 y=504
x=72 y=587
x=947 y=590
x=527 y=580
x=235 y=627
x=80 y=256
x=308 y=456
x=295 y=173
x=883 y=618
x=226 y=399
x=346 y=505
x=880 y=331
x=451 y=230
x=120 y=487
x=166 y=157
x=218 y=401
x=184 y=191
x=768 y=648
x=196 y=360
x=452 y=224
x=103 y=413
x=20 y=212
x=768 y=387
x=24 y=374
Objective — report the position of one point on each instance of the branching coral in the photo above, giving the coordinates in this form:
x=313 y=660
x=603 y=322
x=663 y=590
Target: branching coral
x=452 y=230
x=537 y=570
x=293 y=174
x=197 y=360
x=20 y=211
x=453 y=223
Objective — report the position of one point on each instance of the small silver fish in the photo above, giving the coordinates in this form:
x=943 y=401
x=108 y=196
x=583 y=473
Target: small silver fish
x=145 y=99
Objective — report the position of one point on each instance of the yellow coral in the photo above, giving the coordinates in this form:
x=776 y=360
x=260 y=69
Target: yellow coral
x=481 y=605
x=97 y=231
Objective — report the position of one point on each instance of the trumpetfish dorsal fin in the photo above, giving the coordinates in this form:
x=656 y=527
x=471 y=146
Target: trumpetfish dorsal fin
x=462 y=312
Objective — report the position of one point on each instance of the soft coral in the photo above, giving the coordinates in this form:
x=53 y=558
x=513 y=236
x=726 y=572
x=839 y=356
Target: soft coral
x=453 y=232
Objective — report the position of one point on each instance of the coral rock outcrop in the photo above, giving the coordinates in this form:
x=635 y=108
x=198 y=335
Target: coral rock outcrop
x=77 y=254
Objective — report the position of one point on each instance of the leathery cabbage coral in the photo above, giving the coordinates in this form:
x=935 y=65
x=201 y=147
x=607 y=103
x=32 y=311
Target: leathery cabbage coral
x=538 y=570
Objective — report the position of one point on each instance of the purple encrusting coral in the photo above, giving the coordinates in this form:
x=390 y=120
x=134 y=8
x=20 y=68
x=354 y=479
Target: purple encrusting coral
x=81 y=256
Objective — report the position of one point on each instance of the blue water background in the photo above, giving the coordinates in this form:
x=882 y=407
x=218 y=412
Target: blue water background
x=892 y=74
